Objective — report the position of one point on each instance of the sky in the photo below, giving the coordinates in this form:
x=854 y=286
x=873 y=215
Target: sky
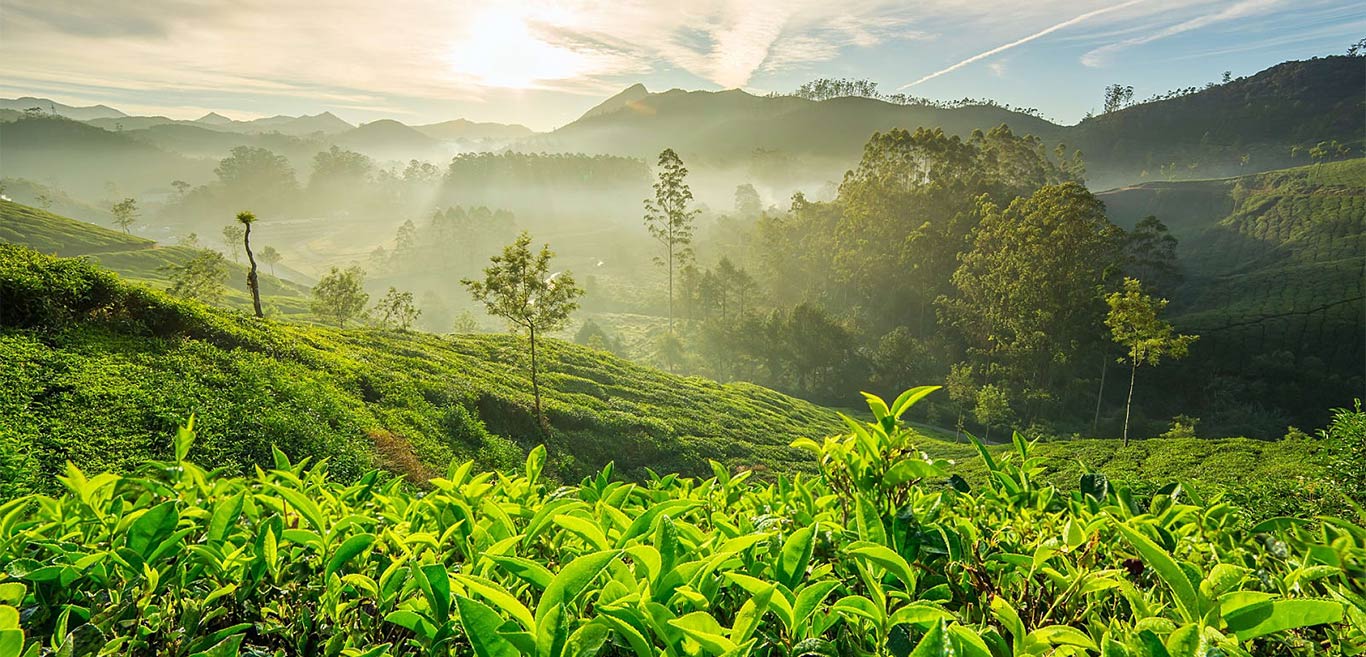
x=542 y=63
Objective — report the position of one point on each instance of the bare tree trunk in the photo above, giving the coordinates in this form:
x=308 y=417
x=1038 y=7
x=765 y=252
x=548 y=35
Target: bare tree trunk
x=1100 y=394
x=252 y=281
x=1133 y=372
x=670 y=247
x=535 y=383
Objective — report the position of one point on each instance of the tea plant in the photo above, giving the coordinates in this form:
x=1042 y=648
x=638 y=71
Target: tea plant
x=878 y=554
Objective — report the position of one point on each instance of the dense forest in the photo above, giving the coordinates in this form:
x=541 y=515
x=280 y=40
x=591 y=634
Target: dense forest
x=833 y=371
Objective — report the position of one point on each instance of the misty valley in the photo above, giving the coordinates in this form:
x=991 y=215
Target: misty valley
x=833 y=369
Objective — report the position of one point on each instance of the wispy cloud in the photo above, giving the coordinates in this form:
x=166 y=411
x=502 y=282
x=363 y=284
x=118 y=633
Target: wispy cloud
x=1021 y=41
x=544 y=59
x=1099 y=56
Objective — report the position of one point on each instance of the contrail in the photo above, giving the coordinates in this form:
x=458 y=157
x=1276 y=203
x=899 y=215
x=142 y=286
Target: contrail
x=1012 y=44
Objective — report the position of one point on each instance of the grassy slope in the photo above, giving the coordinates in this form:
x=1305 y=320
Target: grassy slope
x=133 y=257
x=106 y=387
x=103 y=383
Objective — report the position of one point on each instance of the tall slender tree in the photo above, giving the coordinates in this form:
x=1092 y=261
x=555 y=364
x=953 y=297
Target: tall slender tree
x=669 y=219
x=519 y=287
x=253 y=283
x=1135 y=323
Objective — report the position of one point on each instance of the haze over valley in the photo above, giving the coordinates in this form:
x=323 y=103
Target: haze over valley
x=730 y=329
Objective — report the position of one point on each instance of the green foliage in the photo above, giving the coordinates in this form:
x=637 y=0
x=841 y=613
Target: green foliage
x=519 y=288
x=1347 y=439
x=200 y=278
x=125 y=213
x=669 y=219
x=50 y=233
x=1134 y=323
x=90 y=366
x=875 y=556
x=396 y=309
x=340 y=295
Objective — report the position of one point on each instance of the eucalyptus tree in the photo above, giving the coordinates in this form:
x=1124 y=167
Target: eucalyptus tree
x=669 y=219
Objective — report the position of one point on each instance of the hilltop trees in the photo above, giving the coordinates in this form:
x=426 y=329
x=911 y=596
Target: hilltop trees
x=519 y=287
x=669 y=219
x=340 y=295
x=1117 y=97
x=253 y=283
x=125 y=213
x=1135 y=323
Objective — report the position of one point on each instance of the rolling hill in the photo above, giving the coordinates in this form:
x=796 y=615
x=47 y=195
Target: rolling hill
x=465 y=130
x=52 y=107
x=298 y=126
x=1275 y=265
x=98 y=371
x=84 y=160
x=1206 y=134
x=1199 y=135
x=725 y=126
x=135 y=258
x=75 y=338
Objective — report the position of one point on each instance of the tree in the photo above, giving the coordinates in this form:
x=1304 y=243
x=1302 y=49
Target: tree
x=253 y=281
x=1134 y=323
x=125 y=213
x=44 y=201
x=190 y=241
x=1150 y=255
x=992 y=409
x=232 y=239
x=465 y=323
x=747 y=202
x=397 y=309
x=338 y=169
x=340 y=295
x=1027 y=291
x=200 y=278
x=519 y=287
x=271 y=257
x=1117 y=97
x=181 y=187
x=256 y=176
x=668 y=218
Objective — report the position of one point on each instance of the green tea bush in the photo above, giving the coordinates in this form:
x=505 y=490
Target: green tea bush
x=880 y=553
x=1347 y=442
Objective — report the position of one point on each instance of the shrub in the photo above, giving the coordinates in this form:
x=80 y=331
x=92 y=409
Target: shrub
x=881 y=554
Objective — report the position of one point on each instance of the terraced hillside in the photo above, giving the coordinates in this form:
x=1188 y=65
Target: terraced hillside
x=96 y=370
x=133 y=257
x=1275 y=265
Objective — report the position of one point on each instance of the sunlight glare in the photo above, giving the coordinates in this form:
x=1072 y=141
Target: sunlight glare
x=498 y=48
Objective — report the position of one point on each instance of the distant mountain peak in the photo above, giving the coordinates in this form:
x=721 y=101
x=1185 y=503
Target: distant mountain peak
x=632 y=94
x=213 y=118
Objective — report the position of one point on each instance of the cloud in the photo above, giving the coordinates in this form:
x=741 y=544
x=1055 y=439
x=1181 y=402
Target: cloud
x=1100 y=56
x=1021 y=41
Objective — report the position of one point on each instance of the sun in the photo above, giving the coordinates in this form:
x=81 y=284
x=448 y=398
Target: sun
x=500 y=48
